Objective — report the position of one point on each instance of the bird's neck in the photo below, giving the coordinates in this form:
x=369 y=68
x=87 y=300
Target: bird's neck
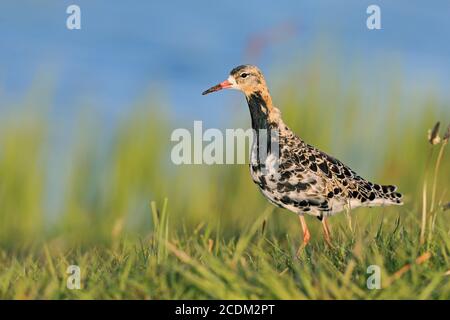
x=264 y=115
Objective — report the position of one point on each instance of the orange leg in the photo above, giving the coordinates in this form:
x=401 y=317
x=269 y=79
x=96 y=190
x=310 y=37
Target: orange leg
x=326 y=230
x=306 y=234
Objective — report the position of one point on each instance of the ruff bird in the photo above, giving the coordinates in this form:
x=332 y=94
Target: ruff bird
x=305 y=179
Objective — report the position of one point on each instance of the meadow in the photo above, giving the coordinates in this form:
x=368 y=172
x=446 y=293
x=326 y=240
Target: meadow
x=140 y=227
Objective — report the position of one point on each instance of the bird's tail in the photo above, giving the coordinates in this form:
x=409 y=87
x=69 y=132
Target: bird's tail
x=386 y=195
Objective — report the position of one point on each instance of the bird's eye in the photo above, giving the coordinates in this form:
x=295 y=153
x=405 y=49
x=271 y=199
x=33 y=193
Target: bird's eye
x=244 y=75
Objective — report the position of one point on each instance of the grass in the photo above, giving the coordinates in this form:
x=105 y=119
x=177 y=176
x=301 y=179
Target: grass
x=256 y=265
x=141 y=228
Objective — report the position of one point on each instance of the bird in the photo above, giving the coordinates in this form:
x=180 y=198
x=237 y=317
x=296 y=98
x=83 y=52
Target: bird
x=305 y=180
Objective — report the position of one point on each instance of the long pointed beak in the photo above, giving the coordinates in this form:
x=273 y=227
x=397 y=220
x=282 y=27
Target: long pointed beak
x=223 y=85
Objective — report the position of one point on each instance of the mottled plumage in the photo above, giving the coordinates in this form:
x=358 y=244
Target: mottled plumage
x=310 y=181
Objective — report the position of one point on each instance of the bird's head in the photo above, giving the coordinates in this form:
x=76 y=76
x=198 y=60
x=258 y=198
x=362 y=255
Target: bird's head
x=246 y=78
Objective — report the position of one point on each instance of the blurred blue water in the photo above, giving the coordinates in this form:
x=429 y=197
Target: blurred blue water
x=176 y=49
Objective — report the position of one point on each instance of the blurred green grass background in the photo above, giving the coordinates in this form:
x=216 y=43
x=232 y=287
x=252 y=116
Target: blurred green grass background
x=208 y=242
